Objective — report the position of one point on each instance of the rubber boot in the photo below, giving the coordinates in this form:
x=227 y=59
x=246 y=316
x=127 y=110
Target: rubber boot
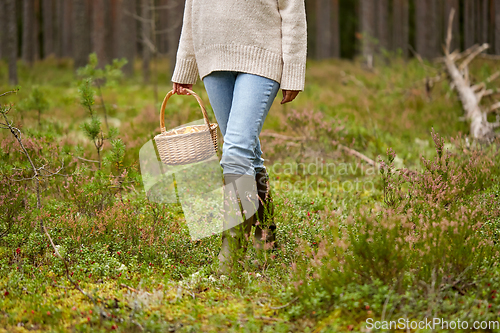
x=240 y=207
x=265 y=228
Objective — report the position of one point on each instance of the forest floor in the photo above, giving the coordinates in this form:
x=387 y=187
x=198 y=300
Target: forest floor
x=135 y=259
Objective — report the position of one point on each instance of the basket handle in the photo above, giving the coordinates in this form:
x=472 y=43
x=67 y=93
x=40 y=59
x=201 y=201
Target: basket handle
x=164 y=105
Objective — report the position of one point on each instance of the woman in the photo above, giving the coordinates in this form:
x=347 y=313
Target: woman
x=244 y=51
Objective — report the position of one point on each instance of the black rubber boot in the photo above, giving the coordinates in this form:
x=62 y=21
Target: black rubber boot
x=265 y=228
x=240 y=206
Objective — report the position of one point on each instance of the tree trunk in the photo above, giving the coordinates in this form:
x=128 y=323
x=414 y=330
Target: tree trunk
x=335 y=29
x=113 y=26
x=3 y=30
x=367 y=17
x=28 y=31
x=127 y=35
x=175 y=25
x=448 y=5
x=383 y=24
x=100 y=29
x=400 y=16
x=163 y=26
x=483 y=21
x=67 y=26
x=37 y=30
x=421 y=35
x=434 y=27
x=146 y=39
x=58 y=25
x=323 y=32
x=497 y=27
x=469 y=24
x=11 y=38
x=80 y=33
x=48 y=28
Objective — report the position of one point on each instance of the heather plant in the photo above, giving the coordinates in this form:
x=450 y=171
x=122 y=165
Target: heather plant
x=14 y=212
x=429 y=232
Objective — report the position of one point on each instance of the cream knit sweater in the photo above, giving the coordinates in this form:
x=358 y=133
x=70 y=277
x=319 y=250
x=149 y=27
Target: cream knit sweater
x=262 y=37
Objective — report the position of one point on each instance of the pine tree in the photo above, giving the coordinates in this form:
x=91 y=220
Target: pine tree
x=11 y=36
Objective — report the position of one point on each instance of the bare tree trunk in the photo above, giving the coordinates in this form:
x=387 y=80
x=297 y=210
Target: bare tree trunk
x=28 y=31
x=114 y=8
x=3 y=29
x=434 y=27
x=421 y=34
x=484 y=21
x=58 y=33
x=11 y=37
x=383 y=23
x=175 y=25
x=48 y=28
x=469 y=24
x=80 y=50
x=163 y=26
x=67 y=28
x=448 y=5
x=367 y=17
x=128 y=34
x=99 y=29
x=497 y=27
x=323 y=25
x=37 y=30
x=146 y=39
x=335 y=29
x=400 y=16
x=481 y=16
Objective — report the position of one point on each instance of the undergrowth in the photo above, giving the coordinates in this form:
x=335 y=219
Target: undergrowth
x=412 y=235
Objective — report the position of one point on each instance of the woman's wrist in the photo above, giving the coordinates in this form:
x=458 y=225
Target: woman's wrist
x=180 y=88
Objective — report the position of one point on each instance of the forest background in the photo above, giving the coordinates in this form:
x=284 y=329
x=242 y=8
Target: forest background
x=146 y=29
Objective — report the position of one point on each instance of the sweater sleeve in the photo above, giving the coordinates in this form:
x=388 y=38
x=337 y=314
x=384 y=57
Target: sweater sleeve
x=186 y=68
x=294 y=43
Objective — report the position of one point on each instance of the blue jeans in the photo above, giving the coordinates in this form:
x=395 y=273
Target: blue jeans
x=240 y=102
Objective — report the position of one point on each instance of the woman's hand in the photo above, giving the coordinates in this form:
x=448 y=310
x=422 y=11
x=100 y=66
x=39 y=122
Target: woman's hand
x=180 y=88
x=289 y=95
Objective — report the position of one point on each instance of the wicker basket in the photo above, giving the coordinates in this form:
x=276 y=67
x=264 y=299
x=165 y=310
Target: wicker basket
x=177 y=147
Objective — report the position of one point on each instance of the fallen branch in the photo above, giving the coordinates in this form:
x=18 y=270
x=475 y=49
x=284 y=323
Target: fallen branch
x=123 y=285
x=494 y=107
x=346 y=149
x=474 y=54
x=84 y=159
x=490 y=92
x=357 y=154
x=9 y=93
x=262 y=318
x=480 y=129
x=283 y=306
x=284 y=137
x=493 y=77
